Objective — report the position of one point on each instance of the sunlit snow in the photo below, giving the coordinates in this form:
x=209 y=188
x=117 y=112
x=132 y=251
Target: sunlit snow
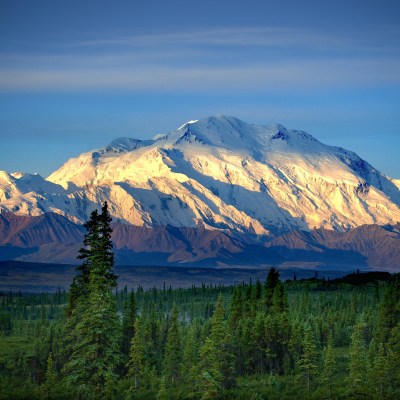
x=230 y=174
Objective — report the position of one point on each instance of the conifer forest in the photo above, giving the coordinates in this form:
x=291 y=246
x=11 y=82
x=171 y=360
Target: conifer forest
x=299 y=339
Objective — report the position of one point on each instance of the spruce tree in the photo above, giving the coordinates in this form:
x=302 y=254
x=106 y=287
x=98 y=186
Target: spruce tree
x=162 y=391
x=357 y=360
x=173 y=350
x=378 y=373
x=128 y=322
x=79 y=289
x=80 y=284
x=50 y=379
x=136 y=362
x=105 y=251
x=394 y=357
x=258 y=339
x=257 y=292
x=217 y=360
x=389 y=311
x=270 y=342
x=95 y=354
x=152 y=338
x=308 y=360
x=236 y=308
x=295 y=344
x=389 y=329
x=279 y=298
x=270 y=284
x=329 y=366
x=234 y=323
x=211 y=371
x=190 y=358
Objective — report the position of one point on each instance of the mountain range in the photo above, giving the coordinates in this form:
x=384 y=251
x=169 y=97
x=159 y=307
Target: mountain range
x=214 y=192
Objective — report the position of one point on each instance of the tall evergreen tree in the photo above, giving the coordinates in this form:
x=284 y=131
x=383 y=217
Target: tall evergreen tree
x=80 y=284
x=270 y=342
x=279 y=298
x=378 y=372
x=104 y=251
x=95 y=354
x=270 y=284
x=136 y=361
x=308 y=360
x=389 y=311
x=236 y=308
x=295 y=343
x=329 y=366
x=190 y=359
x=258 y=343
x=153 y=338
x=211 y=371
x=97 y=247
x=357 y=360
x=234 y=324
x=389 y=329
x=50 y=379
x=394 y=357
x=173 y=350
x=257 y=291
x=217 y=360
x=162 y=391
x=128 y=322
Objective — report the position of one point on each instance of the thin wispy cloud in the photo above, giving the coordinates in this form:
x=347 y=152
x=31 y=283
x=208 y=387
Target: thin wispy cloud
x=273 y=37
x=208 y=60
x=302 y=75
x=270 y=37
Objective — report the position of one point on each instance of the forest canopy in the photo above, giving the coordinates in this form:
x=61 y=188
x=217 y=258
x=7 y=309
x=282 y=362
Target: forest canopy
x=302 y=339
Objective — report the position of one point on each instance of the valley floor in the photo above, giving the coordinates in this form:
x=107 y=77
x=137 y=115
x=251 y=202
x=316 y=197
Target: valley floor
x=47 y=278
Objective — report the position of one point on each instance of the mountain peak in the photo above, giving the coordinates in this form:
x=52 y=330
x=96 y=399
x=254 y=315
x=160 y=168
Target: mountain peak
x=220 y=131
x=226 y=172
x=123 y=144
x=192 y=121
x=232 y=133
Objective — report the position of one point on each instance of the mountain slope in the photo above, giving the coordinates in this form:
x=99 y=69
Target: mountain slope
x=220 y=171
x=368 y=246
x=52 y=238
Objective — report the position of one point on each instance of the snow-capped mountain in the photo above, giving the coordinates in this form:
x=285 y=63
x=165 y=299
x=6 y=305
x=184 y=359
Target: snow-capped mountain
x=220 y=172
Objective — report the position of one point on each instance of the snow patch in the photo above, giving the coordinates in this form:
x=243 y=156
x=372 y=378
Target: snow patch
x=192 y=121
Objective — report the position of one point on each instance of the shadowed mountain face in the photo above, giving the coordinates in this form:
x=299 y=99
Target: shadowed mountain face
x=368 y=246
x=52 y=238
x=47 y=228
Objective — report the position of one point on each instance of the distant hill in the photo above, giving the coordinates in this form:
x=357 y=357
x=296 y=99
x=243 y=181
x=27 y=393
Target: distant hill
x=52 y=238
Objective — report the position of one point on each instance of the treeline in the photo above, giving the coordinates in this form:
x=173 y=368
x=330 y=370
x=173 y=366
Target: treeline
x=267 y=340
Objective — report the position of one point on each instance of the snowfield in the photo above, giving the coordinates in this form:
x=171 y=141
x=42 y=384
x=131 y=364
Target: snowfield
x=254 y=179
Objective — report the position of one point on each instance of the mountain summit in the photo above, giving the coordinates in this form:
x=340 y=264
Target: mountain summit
x=219 y=172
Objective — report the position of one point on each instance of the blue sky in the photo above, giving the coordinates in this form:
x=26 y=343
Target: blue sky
x=75 y=76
